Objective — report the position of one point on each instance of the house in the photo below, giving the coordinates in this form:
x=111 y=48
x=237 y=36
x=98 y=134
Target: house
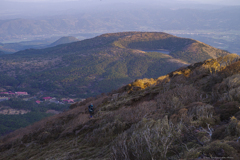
x=21 y=93
x=38 y=102
x=54 y=100
x=11 y=93
x=65 y=100
x=47 y=98
x=3 y=92
x=68 y=101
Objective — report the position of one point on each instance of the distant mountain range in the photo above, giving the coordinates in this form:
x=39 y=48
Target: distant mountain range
x=122 y=19
x=94 y=66
x=37 y=44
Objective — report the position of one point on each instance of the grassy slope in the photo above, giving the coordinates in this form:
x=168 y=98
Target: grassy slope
x=196 y=95
x=100 y=64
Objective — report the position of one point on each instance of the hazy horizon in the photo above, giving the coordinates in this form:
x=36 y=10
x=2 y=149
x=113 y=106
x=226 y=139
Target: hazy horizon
x=10 y=9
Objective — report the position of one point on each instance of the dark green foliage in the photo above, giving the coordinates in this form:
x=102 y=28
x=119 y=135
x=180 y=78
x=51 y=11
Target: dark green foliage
x=219 y=149
x=31 y=105
x=228 y=109
x=6 y=80
x=9 y=123
x=219 y=133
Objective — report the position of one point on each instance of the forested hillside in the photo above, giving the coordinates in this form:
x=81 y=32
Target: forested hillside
x=100 y=64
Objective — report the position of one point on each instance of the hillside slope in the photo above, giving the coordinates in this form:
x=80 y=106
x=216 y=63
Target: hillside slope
x=94 y=66
x=190 y=113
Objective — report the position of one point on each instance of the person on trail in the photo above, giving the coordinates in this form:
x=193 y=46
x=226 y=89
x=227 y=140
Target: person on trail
x=91 y=110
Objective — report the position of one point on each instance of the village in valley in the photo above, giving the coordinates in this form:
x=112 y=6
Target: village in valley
x=26 y=97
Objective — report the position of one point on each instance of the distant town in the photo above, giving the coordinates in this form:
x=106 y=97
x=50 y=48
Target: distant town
x=4 y=96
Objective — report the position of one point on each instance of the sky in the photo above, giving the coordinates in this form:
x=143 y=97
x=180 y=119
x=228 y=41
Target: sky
x=10 y=9
x=230 y=2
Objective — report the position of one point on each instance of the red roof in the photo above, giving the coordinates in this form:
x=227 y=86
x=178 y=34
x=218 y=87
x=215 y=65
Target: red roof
x=4 y=93
x=46 y=98
x=38 y=102
x=70 y=100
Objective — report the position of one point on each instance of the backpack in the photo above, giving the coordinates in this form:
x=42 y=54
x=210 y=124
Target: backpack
x=90 y=108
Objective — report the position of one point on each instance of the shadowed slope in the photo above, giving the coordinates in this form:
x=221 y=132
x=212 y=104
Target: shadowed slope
x=64 y=40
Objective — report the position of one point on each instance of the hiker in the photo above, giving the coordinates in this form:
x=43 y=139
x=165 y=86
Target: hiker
x=91 y=110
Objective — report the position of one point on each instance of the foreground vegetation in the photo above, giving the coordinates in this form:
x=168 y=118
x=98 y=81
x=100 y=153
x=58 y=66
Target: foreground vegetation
x=190 y=113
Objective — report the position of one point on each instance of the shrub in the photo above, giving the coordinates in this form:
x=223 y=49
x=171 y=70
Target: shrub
x=152 y=136
x=233 y=128
x=219 y=132
x=219 y=149
x=175 y=99
x=192 y=154
x=198 y=110
x=228 y=109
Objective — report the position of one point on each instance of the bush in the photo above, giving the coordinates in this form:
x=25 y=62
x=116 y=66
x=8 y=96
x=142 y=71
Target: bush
x=219 y=149
x=233 y=128
x=150 y=140
x=228 y=109
x=199 y=110
x=172 y=100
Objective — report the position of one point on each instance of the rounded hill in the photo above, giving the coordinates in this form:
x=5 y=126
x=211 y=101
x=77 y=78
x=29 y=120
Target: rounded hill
x=97 y=65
